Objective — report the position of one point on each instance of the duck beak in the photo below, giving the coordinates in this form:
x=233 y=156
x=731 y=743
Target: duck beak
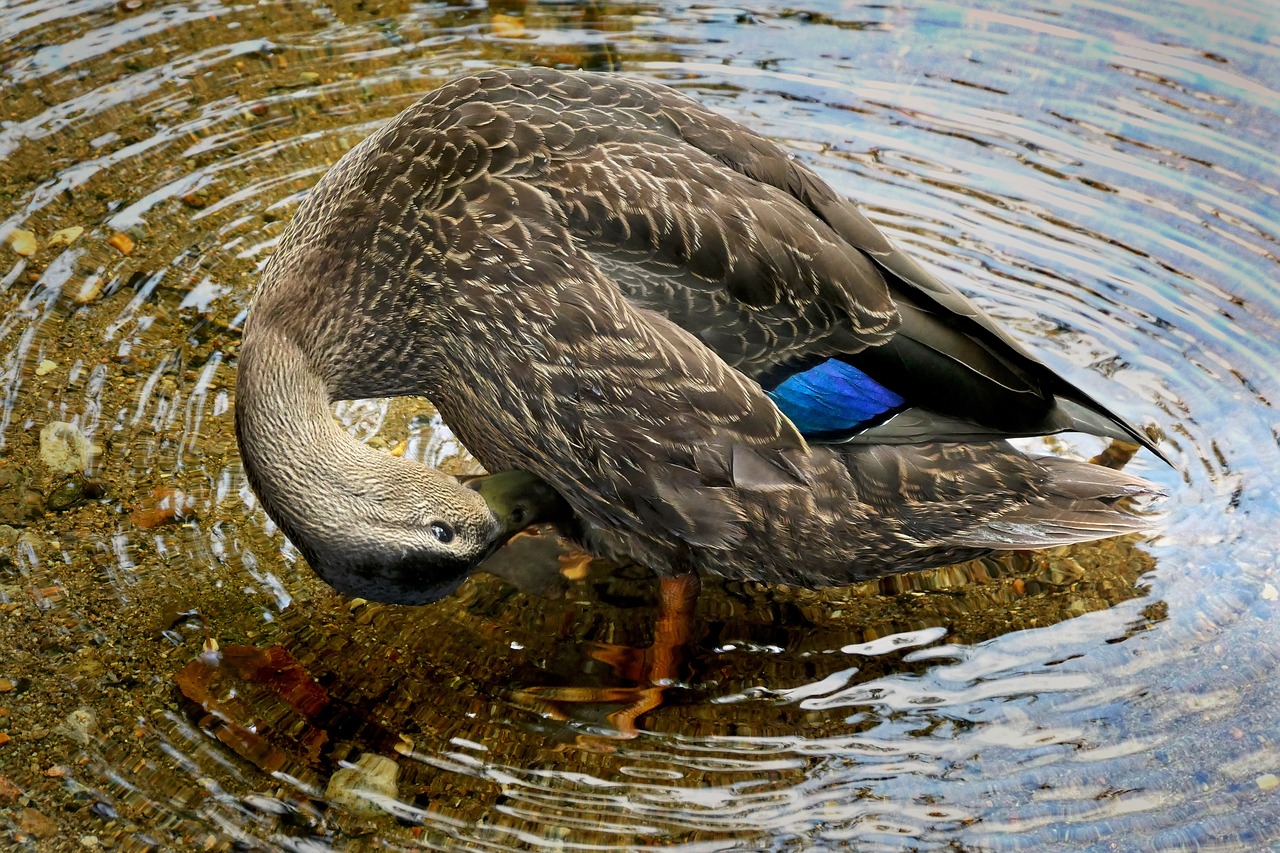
x=519 y=499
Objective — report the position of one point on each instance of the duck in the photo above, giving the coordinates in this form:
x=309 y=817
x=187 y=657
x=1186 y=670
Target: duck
x=660 y=330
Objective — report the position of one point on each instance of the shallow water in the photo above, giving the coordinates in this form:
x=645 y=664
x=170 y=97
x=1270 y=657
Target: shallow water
x=1102 y=179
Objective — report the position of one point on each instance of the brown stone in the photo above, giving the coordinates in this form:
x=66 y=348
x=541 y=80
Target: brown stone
x=34 y=822
x=122 y=243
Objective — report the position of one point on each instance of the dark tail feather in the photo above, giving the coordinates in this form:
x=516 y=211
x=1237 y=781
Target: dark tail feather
x=1079 y=502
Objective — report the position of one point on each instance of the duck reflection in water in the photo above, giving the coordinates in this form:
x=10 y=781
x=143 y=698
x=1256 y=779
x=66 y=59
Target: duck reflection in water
x=664 y=333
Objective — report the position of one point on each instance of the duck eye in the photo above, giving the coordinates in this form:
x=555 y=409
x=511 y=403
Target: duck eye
x=442 y=532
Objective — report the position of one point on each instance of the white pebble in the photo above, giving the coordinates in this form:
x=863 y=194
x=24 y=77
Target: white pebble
x=356 y=788
x=79 y=725
x=63 y=448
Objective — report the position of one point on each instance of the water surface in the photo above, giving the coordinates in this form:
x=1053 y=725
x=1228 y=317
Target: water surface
x=1102 y=179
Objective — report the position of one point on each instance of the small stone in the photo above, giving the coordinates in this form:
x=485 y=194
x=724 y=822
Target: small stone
x=45 y=367
x=48 y=595
x=1269 y=592
x=65 y=236
x=68 y=494
x=22 y=242
x=34 y=822
x=167 y=506
x=31 y=505
x=90 y=289
x=506 y=26
x=352 y=787
x=9 y=792
x=4 y=738
x=308 y=78
x=122 y=243
x=90 y=842
x=63 y=448
x=6 y=685
x=78 y=725
x=1267 y=781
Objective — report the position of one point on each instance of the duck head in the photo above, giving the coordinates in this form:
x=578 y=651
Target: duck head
x=416 y=548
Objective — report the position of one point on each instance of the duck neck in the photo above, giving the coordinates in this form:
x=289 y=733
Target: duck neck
x=362 y=519
x=304 y=468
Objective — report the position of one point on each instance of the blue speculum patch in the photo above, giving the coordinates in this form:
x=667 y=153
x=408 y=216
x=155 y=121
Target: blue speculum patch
x=832 y=397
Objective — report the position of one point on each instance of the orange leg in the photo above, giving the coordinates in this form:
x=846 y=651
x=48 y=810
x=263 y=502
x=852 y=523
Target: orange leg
x=659 y=664
x=655 y=668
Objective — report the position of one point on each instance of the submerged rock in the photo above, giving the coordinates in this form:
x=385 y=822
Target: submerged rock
x=122 y=243
x=64 y=448
x=70 y=493
x=65 y=236
x=23 y=242
x=351 y=787
x=79 y=725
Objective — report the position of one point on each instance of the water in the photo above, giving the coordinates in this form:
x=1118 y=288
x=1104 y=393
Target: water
x=1102 y=179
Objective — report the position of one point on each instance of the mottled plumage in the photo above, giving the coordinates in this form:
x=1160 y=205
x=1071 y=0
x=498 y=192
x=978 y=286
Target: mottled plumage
x=599 y=281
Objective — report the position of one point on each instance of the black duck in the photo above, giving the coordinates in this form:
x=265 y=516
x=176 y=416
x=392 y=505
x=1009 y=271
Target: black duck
x=717 y=362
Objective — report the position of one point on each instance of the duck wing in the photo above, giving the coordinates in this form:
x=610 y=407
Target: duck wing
x=722 y=231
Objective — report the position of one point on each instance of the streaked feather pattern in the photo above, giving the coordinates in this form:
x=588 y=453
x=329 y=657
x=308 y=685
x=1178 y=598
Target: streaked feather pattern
x=720 y=363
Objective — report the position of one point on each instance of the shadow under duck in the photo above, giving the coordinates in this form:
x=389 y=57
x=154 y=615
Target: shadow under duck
x=627 y=301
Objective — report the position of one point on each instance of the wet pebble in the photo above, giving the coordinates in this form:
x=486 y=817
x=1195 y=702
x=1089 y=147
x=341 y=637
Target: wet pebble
x=1268 y=781
x=373 y=774
x=45 y=367
x=31 y=504
x=78 y=725
x=22 y=242
x=65 y=236
x=35 y=822
x=506 y=26
x=199 y=199
x=68 y=494
x=122 y=243
x=9 y=792
x=167 y=506
x=63 y=448
x=104 y=810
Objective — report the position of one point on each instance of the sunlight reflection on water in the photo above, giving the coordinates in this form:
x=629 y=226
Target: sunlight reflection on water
x=1101 y=179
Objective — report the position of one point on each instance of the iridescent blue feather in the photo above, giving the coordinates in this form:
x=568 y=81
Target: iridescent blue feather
x=833 y=397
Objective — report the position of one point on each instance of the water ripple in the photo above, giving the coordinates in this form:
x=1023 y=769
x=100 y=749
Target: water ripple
x=1100 y=179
